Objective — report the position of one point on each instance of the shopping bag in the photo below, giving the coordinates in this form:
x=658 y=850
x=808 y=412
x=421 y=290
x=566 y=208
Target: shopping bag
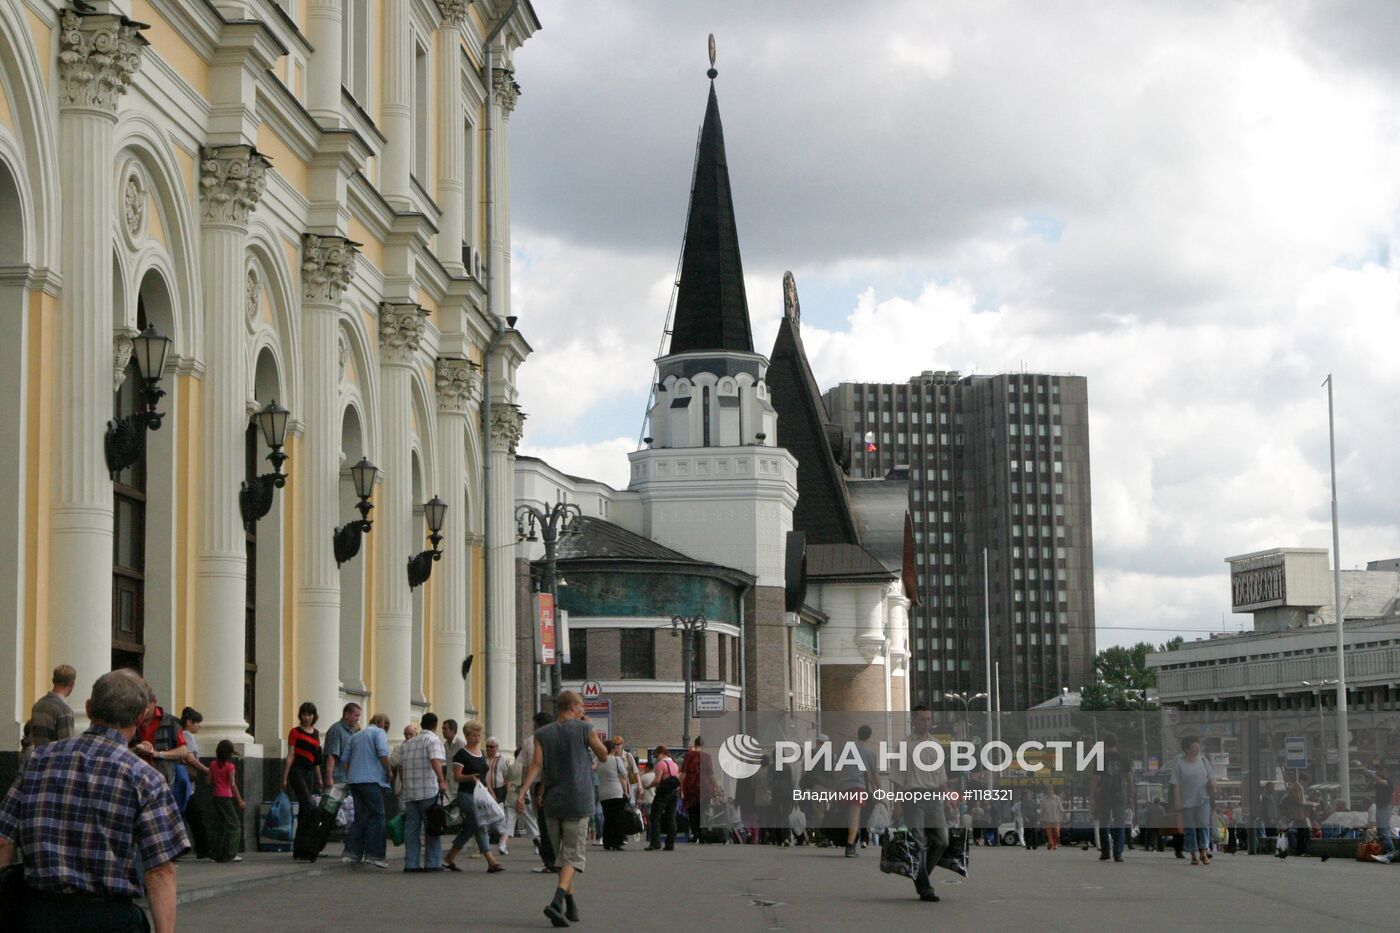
x=797 y=821
x=488 y=809
x=902 y=854
x=879 y=820
x=456 y=819
x=181 y=788
x=346 y=816
x=435 y=817
x=278 y=825
x=955 y=857
x=394 y=830
x=332 y=799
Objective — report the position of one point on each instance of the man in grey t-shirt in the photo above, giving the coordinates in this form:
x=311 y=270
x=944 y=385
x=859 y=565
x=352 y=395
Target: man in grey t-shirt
x=562 y=751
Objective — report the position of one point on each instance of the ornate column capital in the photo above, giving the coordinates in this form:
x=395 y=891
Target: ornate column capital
x=400 y=331
x=97 y=56
x=507 y=427
x=457 y=383
x=505 y=88
x=454 y=12
x=121 y=354
x=231 y=181
x=327 y=266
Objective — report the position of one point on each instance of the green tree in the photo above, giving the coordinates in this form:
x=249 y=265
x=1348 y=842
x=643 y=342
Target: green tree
x=1123 y=678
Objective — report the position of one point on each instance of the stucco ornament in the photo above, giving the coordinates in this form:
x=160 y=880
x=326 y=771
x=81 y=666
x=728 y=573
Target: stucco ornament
x=400 y=331
x=507 y=427
x=457 y=382
x=231 y=182
x=327 y=266
x=121 y=355
x=134 y=206
x=454 y=12
x=97 y=56
x=506 y=88
x=252 y=300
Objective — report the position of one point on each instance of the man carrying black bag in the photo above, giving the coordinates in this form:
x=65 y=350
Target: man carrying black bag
x=923 y=812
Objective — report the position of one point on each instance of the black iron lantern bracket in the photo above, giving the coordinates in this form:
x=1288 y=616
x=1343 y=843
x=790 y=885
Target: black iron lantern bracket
x=348 y=536
x=126 y=436
x=420 y=565
x=255 y=496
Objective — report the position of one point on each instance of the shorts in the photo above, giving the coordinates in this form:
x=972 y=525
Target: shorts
x=569 y=837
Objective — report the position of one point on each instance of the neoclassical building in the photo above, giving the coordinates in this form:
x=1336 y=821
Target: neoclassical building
x=309 y=198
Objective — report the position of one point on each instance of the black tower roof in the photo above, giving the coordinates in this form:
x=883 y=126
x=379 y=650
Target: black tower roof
x=712 y=310
x=804 y=430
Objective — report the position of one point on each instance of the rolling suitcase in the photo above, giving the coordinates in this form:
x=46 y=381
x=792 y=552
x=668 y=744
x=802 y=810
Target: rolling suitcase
x=311 y=840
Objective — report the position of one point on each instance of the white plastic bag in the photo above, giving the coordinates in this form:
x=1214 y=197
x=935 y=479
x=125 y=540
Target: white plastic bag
x=346 y=816
x=488 y=809
x=879 y=818
x=797 y=821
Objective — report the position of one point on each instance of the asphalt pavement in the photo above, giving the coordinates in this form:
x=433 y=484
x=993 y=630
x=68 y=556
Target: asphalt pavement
x=735 y=889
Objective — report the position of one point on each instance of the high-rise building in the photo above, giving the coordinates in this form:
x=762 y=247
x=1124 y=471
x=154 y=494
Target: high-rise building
x=1001 y=464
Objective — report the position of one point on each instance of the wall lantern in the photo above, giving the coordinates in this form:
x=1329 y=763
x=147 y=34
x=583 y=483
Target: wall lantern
x=420 y=566
x=255 y=498
x=126 y=437
x=347 y=536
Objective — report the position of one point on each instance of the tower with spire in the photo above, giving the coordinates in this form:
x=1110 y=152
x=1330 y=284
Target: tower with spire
x=711 y=480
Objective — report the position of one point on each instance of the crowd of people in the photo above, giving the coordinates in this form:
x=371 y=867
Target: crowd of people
x=130 y=777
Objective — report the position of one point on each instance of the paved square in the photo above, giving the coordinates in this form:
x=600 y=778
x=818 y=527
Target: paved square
x=760 y=888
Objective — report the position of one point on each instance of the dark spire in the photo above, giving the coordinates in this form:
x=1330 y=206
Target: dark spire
x=712 y=311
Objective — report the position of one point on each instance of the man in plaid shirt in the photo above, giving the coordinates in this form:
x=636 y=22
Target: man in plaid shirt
x=421 y=764
x=96 y=825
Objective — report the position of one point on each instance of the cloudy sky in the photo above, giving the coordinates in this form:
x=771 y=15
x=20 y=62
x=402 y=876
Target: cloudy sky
x=1192 y=204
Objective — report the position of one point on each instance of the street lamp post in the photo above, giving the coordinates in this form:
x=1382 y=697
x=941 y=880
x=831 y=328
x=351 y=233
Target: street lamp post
x=1322 y=726
x=546 y=525
x=687 y=627
x=1343 y=734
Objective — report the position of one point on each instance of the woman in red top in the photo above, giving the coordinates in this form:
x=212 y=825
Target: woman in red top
x=301 y=773
x=229 y=827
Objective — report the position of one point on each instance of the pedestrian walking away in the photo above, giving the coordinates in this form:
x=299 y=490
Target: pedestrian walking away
x=925 y=818
x=1112 y=797
x=51 y=718
x=1052 y=814
x=533 y=815
x=367 y=772
x=228 y=806
x=471 y=767
x=423 y=760
x=1383 y=794
x=563 y=756
x=667 y=783
x=97 y=826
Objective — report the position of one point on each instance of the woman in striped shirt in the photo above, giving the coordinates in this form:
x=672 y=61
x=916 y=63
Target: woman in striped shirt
x=301 y=773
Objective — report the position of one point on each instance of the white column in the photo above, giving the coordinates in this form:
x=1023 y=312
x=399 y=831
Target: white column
x=504 y=93
x=400 y=332
x=396 y=112
x=98 y=54
x=328 y=263
x=232 y=179
x=456 y=386
x=451 y=172
x=502 y=669
x=325 y=24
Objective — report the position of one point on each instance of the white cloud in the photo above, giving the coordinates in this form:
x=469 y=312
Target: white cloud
x=1192 y=205
x=605 y=461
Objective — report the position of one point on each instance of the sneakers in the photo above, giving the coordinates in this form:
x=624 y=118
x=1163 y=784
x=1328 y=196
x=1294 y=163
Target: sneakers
x=851 y=852
x=348 y=860
x=379 y=863
x=1380 y=858
x=503 y=848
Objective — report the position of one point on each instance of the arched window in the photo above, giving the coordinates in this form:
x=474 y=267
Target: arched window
x=129 y=536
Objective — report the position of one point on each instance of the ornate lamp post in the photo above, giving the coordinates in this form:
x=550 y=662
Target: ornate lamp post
x=348 y=536
x=126 y=437
x=687 y=627
x=255 y=498
x=534 y=524
x=420 y=565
